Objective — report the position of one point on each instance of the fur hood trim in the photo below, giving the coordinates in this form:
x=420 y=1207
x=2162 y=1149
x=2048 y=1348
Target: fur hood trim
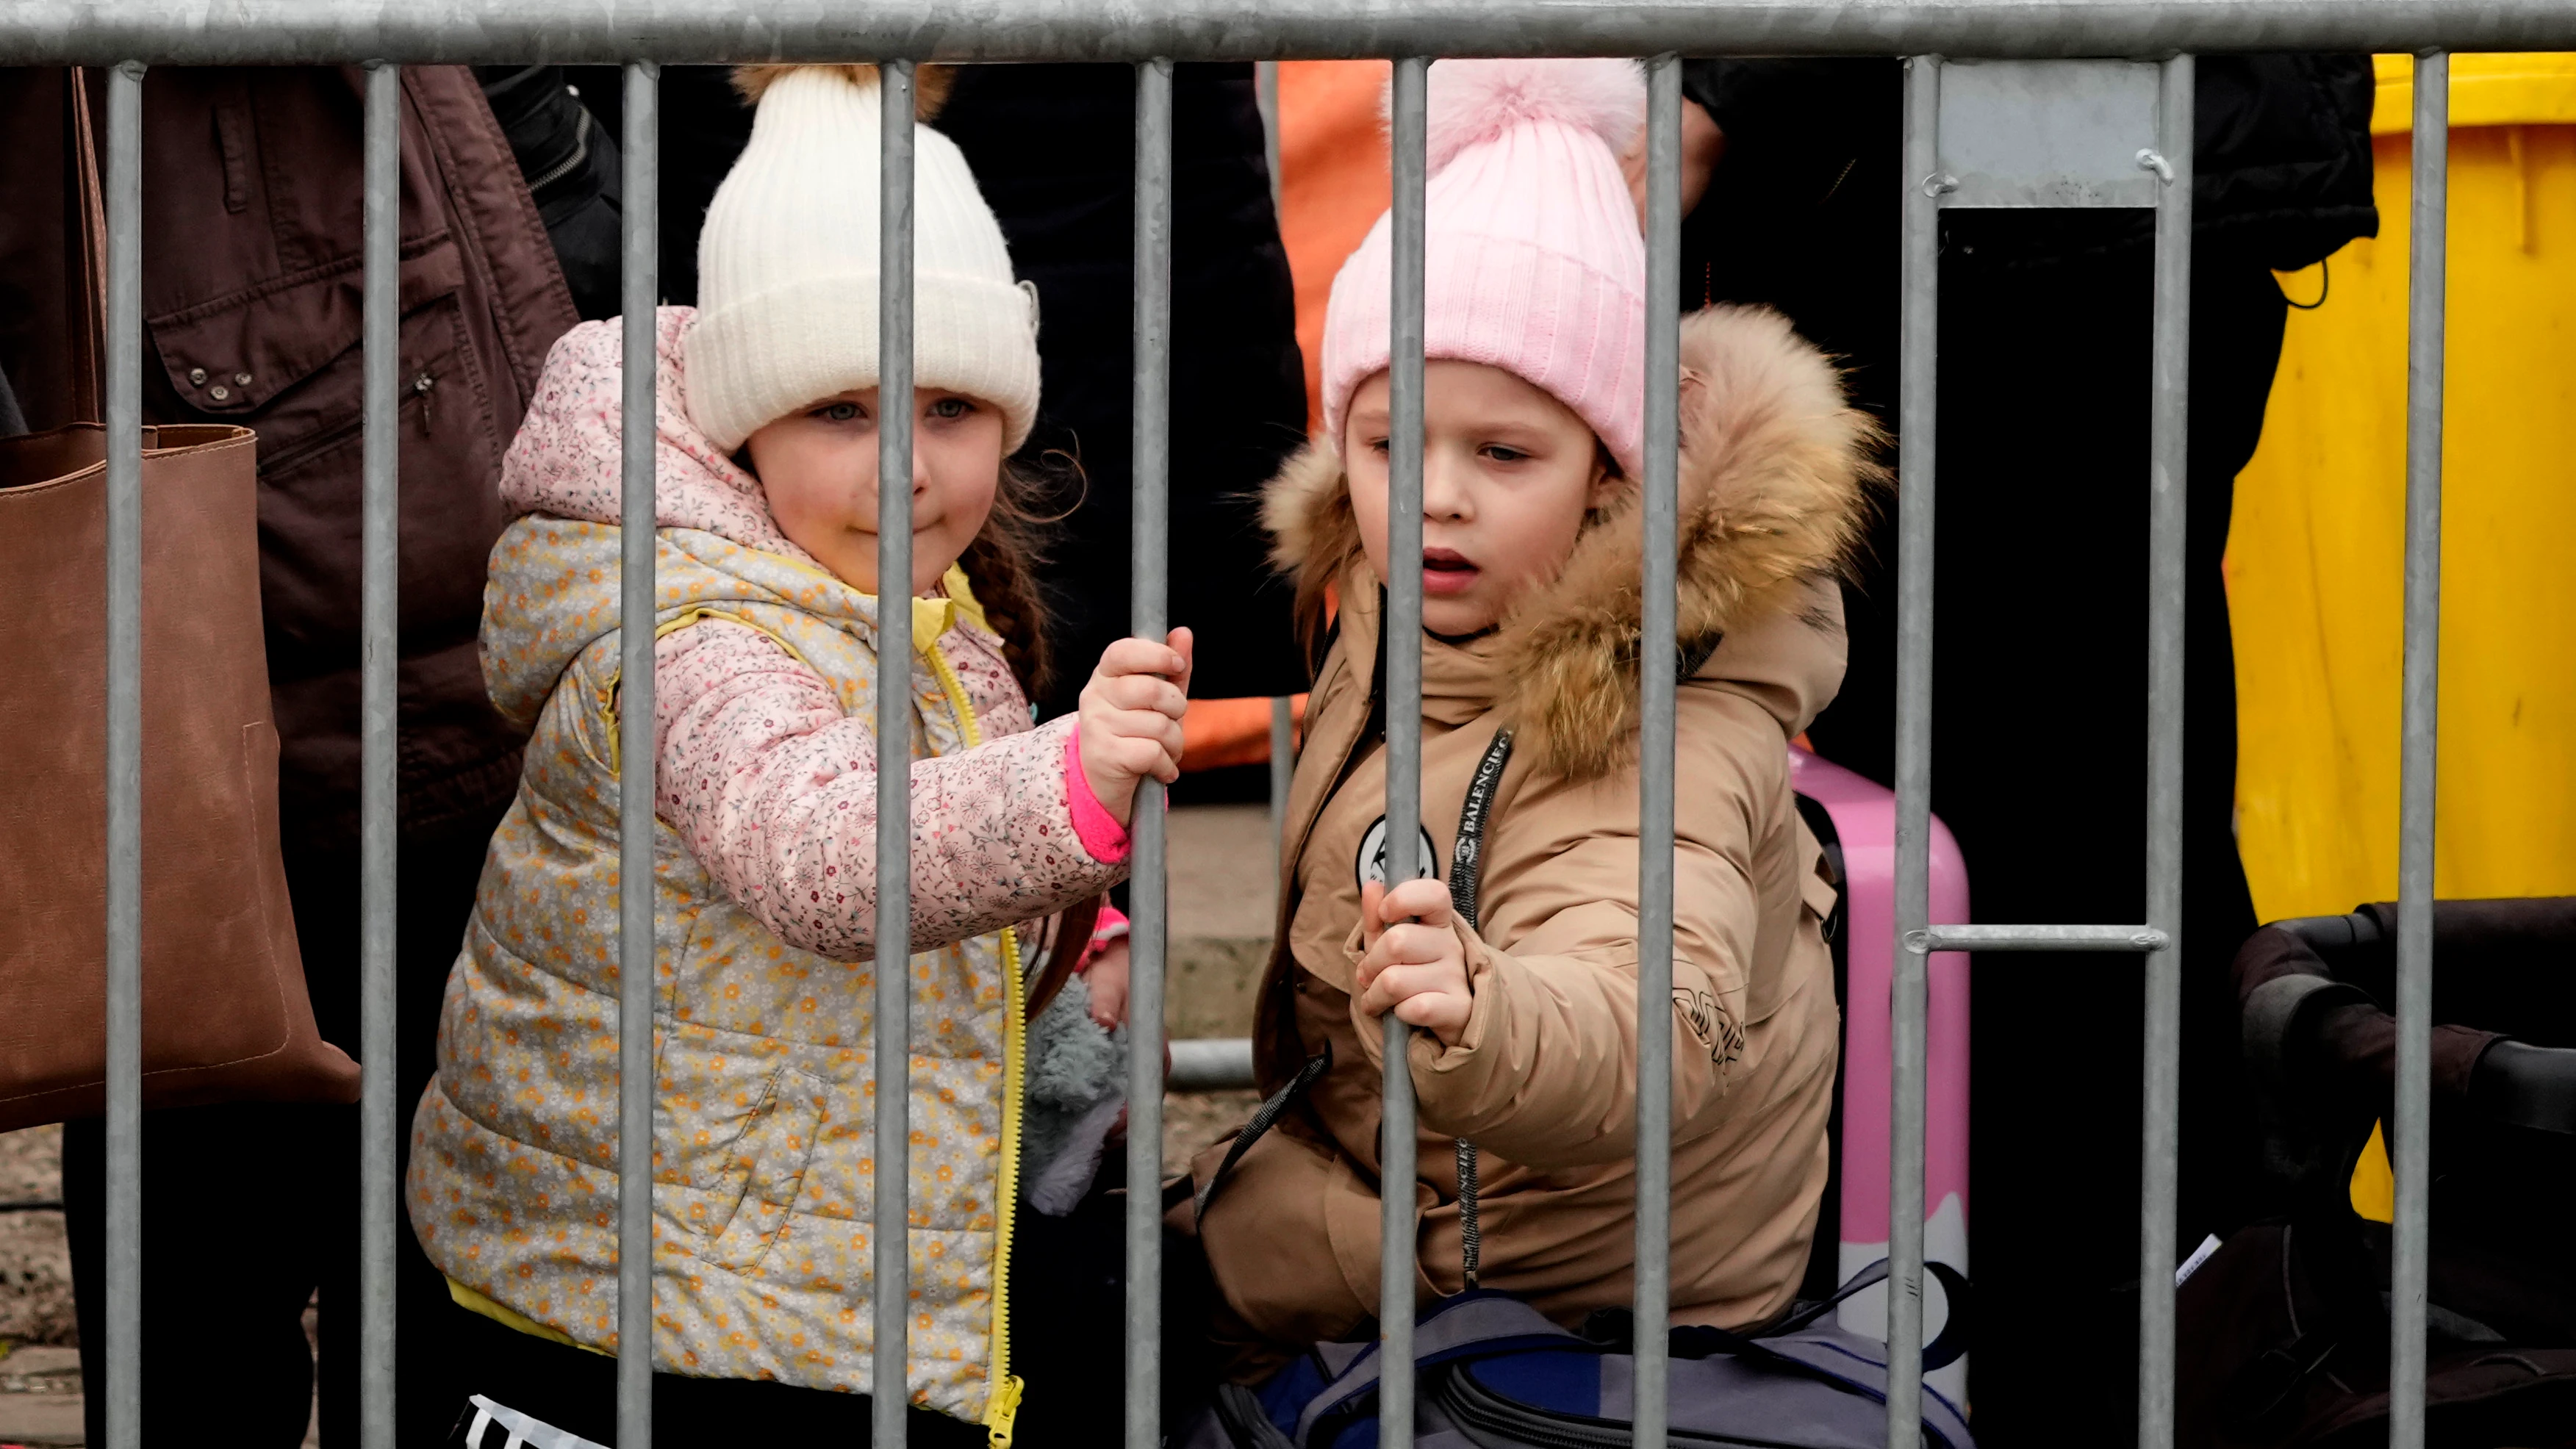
x=1778 y=474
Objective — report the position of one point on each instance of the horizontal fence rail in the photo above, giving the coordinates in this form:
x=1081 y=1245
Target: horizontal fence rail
x=242 y=32
x=2036 y=938
x=643 y=36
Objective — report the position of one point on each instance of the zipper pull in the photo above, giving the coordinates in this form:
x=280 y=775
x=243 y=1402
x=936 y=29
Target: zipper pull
x=1003 y=1409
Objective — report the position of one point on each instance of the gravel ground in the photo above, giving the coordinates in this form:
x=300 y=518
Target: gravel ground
x=35 y=1266
x=1193 y=1120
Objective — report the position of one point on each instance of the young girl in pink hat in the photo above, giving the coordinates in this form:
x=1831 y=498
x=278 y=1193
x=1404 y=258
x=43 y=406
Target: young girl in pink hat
x=1524 y=1018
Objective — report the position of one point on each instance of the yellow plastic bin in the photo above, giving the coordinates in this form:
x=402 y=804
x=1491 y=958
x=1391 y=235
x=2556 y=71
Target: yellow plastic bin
x=2315 y=561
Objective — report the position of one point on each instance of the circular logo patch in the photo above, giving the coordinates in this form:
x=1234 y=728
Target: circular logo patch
x=1370 y=868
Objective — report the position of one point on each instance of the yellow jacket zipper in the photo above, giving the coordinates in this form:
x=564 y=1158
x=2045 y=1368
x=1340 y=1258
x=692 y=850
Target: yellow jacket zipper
x=1002 y=1402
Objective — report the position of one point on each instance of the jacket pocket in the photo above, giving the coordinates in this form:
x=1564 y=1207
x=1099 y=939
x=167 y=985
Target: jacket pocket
x=764 y=1171
x=244 y=357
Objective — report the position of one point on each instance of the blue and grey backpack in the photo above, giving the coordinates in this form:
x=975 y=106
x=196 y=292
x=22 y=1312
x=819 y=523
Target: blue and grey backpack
x=1496 y=1374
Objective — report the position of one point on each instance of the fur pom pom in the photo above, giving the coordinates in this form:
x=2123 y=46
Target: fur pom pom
x=1477 y=100
x=930 y=83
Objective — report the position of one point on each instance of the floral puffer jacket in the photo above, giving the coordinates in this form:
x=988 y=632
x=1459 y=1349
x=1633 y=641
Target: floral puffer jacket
x=764 y=864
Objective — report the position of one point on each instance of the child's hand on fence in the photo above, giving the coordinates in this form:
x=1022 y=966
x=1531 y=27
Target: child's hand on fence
x=1131 y=718
x=1414 y=965
x=1107 y=975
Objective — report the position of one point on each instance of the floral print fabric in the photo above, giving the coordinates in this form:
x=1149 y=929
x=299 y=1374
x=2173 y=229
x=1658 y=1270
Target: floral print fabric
x=764 y=1161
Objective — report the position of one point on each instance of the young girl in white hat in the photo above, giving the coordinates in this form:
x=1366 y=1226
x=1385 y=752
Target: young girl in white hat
x=768 y=629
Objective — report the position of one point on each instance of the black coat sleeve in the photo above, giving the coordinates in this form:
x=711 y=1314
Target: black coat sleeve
x=2283 y=153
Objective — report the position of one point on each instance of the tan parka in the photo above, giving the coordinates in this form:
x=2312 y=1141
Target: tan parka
x=1775 y=480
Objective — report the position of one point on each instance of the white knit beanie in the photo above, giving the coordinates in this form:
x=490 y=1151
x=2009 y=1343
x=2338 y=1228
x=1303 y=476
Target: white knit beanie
x=787 y=268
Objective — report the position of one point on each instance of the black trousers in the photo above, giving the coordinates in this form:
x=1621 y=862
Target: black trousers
x=249 y=1209
x=1068 y=1317
x=2039 y=768
x=575 y=1390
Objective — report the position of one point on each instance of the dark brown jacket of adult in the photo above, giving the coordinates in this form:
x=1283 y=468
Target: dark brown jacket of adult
x=253 y=308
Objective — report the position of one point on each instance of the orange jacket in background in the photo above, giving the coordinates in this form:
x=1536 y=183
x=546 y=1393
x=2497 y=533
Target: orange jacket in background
x=1332 y=186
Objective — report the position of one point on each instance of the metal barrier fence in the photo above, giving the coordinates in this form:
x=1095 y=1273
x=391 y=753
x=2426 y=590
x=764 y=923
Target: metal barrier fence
x=126 y=33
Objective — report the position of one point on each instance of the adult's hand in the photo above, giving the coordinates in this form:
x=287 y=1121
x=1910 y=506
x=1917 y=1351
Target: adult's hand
x=1702 y=144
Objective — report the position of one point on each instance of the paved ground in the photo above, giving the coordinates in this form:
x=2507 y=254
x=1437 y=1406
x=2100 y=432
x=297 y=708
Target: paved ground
x=40 y=1402
x=40 y=1399
x=1224 y=879
x=35 y=1272
x=1224 y=882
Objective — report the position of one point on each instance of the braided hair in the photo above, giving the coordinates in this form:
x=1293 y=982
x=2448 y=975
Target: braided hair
x=1002 y=566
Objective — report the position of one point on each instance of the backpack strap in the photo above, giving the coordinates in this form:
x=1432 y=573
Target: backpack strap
x=1464 y=860
x=1263 y=1119
x=1466 y=875
x=1466 y=868
x=1700 y=1340
x=84 y=251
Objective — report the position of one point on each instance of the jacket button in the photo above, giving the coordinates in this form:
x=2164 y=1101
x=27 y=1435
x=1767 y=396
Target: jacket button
x=197 y=376
x=219 y=392
x=423 y=383
x=242 y=378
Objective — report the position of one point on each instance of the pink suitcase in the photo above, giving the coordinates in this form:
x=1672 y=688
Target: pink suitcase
x=1856 y=819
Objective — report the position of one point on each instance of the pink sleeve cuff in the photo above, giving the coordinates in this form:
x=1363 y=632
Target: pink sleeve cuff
x=1098 y=830
x=1112 y=926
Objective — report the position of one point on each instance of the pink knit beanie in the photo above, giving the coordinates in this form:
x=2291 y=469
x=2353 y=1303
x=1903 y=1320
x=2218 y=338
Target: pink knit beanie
x=1532 y=258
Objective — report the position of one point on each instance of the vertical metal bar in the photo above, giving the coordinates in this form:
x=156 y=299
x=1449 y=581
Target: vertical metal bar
x=125 y=755
x=1265 y=94
x=2168 y=488
x=379 y=1120
x=1396 y=1131
x=1283 y=772
x=1149 y=566
x=1920 y=347
x=637 y=979
x=2428 y=273
x=1658 y=688
x=889 y=1378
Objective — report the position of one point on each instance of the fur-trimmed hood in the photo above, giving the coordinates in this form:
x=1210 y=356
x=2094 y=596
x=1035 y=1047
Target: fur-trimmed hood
x=1777 y=480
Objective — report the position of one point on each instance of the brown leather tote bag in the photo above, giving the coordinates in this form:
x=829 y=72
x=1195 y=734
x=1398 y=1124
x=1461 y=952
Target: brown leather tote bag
x=225 y=1014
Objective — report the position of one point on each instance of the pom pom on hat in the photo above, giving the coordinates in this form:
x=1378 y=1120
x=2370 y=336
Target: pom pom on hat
x=787 y=263
x=1477 y=100
x=930 y=83
x=1532 y=261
